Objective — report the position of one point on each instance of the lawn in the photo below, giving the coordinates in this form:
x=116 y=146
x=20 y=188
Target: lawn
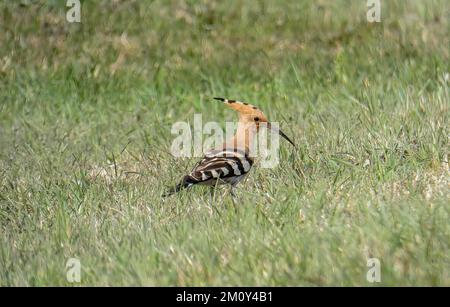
x=86 y=111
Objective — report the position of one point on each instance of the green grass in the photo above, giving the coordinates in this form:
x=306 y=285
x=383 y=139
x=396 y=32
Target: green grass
x=85 y=117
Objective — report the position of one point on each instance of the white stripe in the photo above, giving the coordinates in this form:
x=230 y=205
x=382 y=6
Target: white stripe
x=208 y=163
x=214 y=173
x=225 y=171
x=235 y=167
x=245 y=165
x=204 y=177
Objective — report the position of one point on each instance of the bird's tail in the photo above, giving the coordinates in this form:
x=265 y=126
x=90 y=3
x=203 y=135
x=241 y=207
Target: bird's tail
x=185 y=183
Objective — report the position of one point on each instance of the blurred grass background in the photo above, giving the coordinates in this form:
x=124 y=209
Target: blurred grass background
x=85 y=117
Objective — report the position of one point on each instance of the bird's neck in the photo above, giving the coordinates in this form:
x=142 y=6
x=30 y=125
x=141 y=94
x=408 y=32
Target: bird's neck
x=244 y=137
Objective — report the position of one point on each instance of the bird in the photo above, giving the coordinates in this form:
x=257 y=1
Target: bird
x=231 y=162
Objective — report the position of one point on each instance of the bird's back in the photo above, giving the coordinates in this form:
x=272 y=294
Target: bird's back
x=222 y=165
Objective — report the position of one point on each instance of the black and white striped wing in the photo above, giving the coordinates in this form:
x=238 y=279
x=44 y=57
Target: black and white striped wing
x=212 y=168
x=218 y=166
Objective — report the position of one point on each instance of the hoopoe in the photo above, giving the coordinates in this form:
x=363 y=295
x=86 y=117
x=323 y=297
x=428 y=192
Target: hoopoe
x=231 y=162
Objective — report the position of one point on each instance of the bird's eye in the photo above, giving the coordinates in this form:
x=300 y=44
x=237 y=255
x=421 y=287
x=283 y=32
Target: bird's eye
x=256 y=119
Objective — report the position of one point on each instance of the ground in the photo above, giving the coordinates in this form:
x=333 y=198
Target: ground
x=86 y=112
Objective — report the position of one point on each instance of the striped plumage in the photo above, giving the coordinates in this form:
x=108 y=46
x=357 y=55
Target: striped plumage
x=218 y=167
x=231 y=162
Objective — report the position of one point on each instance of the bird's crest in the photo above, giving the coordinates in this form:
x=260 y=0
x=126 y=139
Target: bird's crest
x=241 y=107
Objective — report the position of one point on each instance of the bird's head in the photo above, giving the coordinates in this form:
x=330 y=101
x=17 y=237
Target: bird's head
x=252 y=115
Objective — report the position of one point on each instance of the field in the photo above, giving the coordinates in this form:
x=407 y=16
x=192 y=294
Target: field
x=86 y=111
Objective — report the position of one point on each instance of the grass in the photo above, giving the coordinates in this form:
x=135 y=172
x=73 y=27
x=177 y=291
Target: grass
x=85 y=117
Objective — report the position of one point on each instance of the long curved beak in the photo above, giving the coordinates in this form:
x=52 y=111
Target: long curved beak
x=277 y=130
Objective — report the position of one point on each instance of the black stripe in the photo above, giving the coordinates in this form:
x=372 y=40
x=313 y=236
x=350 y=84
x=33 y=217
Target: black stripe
x=208 y=175
x=189 y=179
x=229 y=169
x=239 y=164
x=250 y=160
x=223 y=99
